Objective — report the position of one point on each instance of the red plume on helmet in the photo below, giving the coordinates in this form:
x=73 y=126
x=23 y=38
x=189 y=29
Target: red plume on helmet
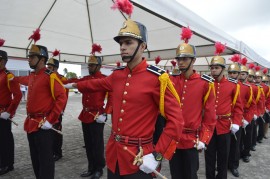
x=123 y=5
x=173 y=63
x=257 y=68
x=96 y=48
x=35 y=36
x=157 y=59
x=235 y=58
x=118 y=64
x=251 y=66
x=244 y=61
x=186 y=34
x=265 y=71
x=2 y=41
x=220 y=48
x=55 y=53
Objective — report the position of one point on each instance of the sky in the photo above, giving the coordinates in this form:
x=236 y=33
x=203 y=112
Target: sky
x=245 y=20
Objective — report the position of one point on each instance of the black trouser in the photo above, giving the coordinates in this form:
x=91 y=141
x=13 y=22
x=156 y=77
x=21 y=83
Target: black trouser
x=58 y=138
x=260 y=123
x=94 y=145
x=41 y=151
x=246 y=140
x=6 y=144
x=254 y=133
x=234 y=155
x=184 y=164
x=137 y=175
x=217 y=151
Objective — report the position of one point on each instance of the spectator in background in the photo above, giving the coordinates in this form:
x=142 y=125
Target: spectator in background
x=23 y=90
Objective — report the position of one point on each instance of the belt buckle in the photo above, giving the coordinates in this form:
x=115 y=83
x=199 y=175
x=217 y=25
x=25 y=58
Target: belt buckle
x=117 y=138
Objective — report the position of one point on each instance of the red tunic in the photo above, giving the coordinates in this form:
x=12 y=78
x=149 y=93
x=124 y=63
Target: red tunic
x=266 y=90
x=246 y=95
x=226 y=113
x=260 y=100
x=136 y=97
x=10 y=93
x=92 y=102
x=200 y=118
x=40 y=101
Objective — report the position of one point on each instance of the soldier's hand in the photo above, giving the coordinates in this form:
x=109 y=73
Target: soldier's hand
x=245 y=123
x=234 y=128
x=149 y=163
x=200 y=145
x=5 y=115
x=255 y=117
x=46 y=125
x=101 y=118
x=69 y=86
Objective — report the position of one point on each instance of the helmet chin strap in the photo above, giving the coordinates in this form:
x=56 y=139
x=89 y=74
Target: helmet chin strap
x=217 y=76
x=186 y=69
x=132 y=57
x=35 y=66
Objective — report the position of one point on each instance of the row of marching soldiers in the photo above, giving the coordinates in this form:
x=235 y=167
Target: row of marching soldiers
x=210 y=113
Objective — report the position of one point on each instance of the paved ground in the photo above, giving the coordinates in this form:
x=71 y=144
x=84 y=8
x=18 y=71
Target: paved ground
x=74 y=160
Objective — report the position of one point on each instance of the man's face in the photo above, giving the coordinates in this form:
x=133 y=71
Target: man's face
x=250 y=78
x=215 y=70
x=184 y=62
x=93 y=68
x=32 y=60
x=128 y=46
x=233 y=75
x=52 y=68
x=2 y=63
x=243 y=76
x=258 y=79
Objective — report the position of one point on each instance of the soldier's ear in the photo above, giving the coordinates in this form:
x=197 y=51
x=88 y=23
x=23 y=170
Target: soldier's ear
x=143 y=45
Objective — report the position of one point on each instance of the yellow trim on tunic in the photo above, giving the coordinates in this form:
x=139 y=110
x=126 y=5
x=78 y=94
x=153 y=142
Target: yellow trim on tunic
x=250 y=98
x=54 y=77
x=236 y=94
x=9 y=76
x=165 y=82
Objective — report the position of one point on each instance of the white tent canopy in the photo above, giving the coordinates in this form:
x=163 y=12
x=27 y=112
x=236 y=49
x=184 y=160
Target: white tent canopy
x=73 y=25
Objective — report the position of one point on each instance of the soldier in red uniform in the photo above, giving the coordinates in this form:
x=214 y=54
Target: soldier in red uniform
x=258 y=102
x=45 y=102
x=92 y=117
x=229 y=113
x=140 y=92
x=249 y=107
x=266 y=90
x=10 y=95
x=53 y=65
x=246 y=98
x=199 y=116
x=261 y=108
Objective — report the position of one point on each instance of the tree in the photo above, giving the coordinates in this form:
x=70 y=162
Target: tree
x=71 y=75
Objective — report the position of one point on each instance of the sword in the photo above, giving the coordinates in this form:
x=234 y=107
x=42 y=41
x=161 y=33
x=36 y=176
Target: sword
x=138 y=160
x=40 y=123
x=96 y=116
x=262 y=119
x=15 y=123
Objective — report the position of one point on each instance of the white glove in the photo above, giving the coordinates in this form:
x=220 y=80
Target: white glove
x=200 y=146
x=46 y=125
x=234 y=128
x=69 y=86
x=267 y=110
x=255 y=117
x=245 y=123
x=149 y=163
x=101 y=118
x=5 y=115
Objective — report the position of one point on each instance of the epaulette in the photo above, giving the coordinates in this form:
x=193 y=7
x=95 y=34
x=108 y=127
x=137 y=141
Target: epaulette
x=119 y=68
x=258 y=85
x=7 y=72
x=48 y=72
x=208 y=78
x=154 y=69
x=246 y=84
x=232 y=80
